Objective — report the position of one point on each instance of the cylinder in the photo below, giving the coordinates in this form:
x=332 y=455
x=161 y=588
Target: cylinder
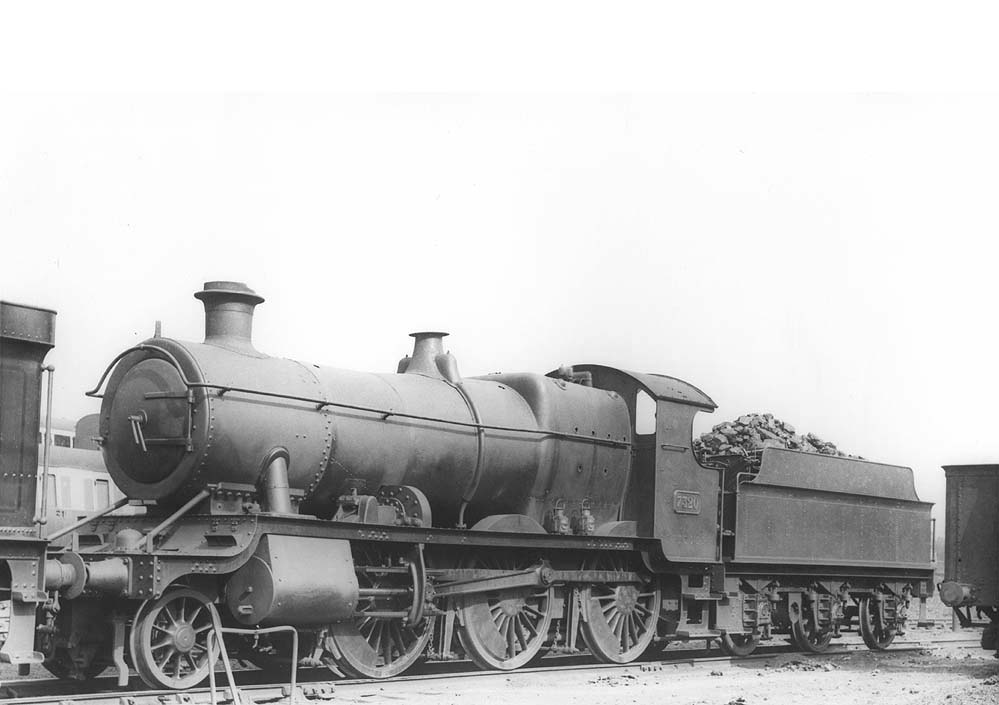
x=271 y=588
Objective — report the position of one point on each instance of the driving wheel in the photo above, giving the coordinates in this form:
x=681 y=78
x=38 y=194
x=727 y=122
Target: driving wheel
x=620 y=618
x=504 y=629
x=379 y=645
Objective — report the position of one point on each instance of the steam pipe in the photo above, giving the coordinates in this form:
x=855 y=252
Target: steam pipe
x=274 y=482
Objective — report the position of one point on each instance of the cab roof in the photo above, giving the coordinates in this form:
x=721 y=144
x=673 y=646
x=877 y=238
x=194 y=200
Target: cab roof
x=657 y=386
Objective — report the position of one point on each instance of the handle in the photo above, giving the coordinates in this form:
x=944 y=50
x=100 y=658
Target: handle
x=136 y=421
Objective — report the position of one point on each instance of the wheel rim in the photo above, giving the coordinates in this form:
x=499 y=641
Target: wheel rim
x=170 y=640
x=621 y=618
x=370 y=647
x=739 y=644
x=806 y=636
x=504 y=630
x=874 y=634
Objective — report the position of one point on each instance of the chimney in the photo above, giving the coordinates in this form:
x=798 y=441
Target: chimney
x=229 y=313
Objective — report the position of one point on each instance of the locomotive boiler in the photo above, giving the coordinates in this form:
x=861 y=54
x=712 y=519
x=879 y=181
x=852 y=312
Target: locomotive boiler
x=389 y=517
x=178 y=417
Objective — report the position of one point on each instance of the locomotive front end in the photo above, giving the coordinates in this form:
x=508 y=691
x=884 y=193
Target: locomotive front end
x=174 y=419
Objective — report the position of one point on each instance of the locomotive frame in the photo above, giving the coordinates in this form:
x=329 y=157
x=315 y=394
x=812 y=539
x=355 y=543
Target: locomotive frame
x=674 y=550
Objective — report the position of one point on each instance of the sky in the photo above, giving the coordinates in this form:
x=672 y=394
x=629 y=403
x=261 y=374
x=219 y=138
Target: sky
x=827 y=258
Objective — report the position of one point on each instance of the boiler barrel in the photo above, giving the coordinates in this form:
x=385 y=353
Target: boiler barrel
x=179 y=416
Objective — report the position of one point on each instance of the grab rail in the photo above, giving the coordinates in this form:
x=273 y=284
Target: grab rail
x=216 y=633
x=322 y=403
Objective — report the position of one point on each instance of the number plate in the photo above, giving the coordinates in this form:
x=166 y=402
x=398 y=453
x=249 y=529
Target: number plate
x=685 y=502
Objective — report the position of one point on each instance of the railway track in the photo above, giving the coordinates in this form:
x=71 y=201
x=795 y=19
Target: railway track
x=315 y=684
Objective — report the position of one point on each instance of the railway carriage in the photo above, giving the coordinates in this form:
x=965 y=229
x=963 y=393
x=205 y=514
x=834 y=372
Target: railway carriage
x=971 y=547
x=389 y=517
x=27 y=333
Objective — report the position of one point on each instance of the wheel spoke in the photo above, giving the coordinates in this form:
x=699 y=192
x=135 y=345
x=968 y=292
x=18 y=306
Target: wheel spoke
x=386 y=645
x=399 y=637
x=377 y=632
x=530 y=627
x=533 y=612
x=367 y=628
x=161 y=664
x=520 y=634
x=632 y=629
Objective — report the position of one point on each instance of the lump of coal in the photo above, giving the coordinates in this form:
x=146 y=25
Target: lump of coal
x=750 y=433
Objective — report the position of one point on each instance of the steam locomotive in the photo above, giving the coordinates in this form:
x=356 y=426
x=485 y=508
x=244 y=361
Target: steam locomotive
x=381 y=515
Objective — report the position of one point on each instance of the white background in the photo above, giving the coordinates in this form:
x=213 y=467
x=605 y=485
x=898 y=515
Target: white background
x=795 y=212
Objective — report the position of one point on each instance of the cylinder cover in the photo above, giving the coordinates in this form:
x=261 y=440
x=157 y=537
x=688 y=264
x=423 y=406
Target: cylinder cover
x=272 y=588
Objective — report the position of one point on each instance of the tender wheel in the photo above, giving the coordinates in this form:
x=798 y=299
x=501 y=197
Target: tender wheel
x=872 y=630
x=807 y=636
x=739 y=644
x=621 y=617
x=379 y=647
x=504 y=630
x=169 y=640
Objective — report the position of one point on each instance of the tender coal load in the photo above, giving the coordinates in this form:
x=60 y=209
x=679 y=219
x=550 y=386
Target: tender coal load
x=751 y=433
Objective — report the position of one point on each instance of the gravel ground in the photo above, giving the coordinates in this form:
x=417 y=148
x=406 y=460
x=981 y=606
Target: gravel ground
x=941 y=674
x=945 y=675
